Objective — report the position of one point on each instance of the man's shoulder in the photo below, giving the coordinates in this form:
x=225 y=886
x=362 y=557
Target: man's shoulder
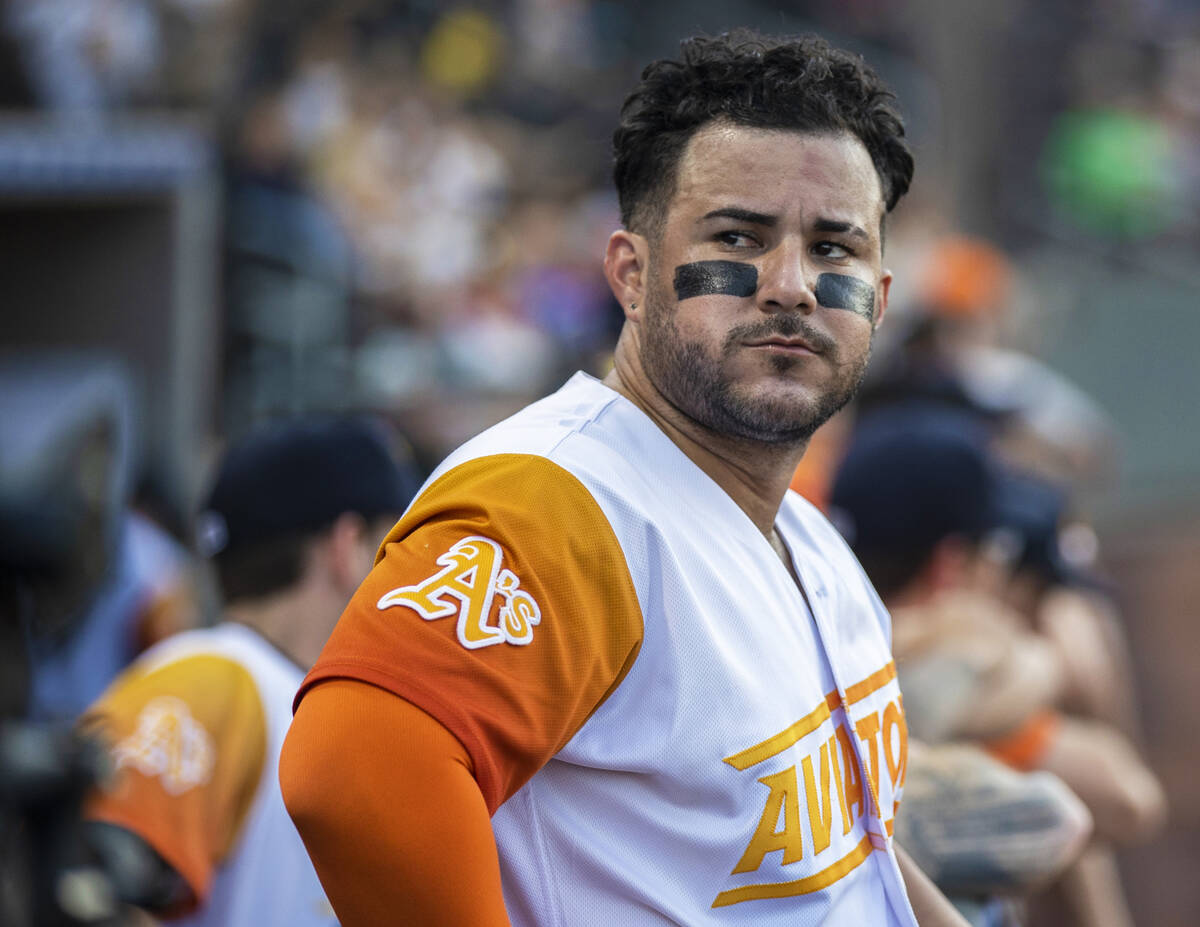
x=236 y=647
x=183 y=699
x=807 y=523
x=209 y=666
x=223 y=675
x=584 y=434
x=540 y=427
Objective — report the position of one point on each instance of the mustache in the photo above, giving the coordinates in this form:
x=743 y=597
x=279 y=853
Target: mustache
x=786 y=326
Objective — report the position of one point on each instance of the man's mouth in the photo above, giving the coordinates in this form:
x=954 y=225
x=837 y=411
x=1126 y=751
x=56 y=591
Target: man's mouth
x=784 y=344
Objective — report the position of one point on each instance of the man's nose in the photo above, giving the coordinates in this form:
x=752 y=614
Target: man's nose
x=783 y=280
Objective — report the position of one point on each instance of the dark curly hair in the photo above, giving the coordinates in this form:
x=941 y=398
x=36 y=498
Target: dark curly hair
x=800 y=83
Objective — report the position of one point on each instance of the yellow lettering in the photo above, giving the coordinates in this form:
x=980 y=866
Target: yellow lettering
x=867 y=728
x=854 y=791
x=466 y=585
x=820 y=819
x=895 y=750
x=168 y=743
x=841 y=786
x=766 y=838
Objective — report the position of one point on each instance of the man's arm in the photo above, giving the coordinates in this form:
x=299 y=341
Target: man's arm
x=389 y=809
x=977 y=827
x=998 y=674
x=1028 y=678
x=1103 y=769
x=930 y=905
x=1086 y=630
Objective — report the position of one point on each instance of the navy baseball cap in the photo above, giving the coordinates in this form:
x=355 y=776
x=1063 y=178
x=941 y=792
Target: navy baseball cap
x=912 y=475
x=299 y=476
x=1032 y=514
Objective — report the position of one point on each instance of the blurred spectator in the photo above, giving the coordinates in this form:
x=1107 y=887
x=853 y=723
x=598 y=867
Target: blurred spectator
x=916 y=495
x=193 y=822
x=953 y=348
x=90 y=58
x=1111 y=163
x=85 y=56
x=1055 y=584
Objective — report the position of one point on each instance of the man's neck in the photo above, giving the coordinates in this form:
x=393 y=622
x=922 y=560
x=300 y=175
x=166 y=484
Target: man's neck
x=755 y=475
x=285 y=621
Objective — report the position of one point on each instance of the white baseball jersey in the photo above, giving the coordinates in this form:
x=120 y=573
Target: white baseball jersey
x=666 y=729
x=195 y=727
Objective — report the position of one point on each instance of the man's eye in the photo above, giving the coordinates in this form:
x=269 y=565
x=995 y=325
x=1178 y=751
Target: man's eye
x=737 y=239
x=832 y=249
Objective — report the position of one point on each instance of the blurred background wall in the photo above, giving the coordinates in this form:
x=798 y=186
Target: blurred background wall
x=270 y=207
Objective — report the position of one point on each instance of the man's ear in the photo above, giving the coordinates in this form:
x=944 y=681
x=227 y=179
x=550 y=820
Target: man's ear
x=885 y=286
x=947 y=567
x=625 y=269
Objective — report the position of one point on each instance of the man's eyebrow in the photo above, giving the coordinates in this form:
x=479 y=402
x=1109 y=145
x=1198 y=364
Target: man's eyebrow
x=843 y=228
x=742 y=215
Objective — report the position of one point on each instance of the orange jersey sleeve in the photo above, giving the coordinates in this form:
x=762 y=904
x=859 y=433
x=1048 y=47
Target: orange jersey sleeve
x=402 y=834
x=502 y=606
x=188 y=743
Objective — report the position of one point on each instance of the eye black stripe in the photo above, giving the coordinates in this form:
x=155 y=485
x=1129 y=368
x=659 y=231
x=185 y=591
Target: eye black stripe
x=715 y=278
x=839 y=291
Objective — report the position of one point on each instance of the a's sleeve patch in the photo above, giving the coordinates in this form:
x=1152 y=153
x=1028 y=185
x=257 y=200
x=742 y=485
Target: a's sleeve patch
x=509 y=549
x=188 y=740
x=470 y=584
x=168 y=744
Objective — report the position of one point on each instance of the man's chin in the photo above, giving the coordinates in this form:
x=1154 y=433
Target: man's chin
x=783 y=417
x=771 y=423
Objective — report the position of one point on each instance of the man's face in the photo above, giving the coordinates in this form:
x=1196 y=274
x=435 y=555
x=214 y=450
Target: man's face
x=764 y=283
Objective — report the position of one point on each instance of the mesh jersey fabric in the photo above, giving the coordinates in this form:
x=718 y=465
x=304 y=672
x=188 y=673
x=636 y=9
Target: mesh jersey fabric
x=663 y=728
x=195 y=727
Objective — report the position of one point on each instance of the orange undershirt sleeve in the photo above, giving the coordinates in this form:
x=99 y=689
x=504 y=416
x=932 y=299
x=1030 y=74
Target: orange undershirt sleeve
x=1025 y=747
x=387 y=804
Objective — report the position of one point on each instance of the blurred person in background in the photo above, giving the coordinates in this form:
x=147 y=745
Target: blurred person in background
x=954 y=345
x=953 y=348
x=192 y=818
x=916 y=496
x=1052 y=584
x=988 y=835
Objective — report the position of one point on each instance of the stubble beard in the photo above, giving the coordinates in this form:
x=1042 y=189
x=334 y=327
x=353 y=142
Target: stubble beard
x=700 y=386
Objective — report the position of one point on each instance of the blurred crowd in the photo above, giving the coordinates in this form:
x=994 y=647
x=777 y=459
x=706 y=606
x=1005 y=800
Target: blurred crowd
x=416 y=205
x=419 y=192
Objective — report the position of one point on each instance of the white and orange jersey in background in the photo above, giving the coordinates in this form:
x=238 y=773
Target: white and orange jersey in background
x=664 y=727
x=195 y=727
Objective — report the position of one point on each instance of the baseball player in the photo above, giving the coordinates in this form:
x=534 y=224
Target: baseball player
x=195 y=725
x=607 y=669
